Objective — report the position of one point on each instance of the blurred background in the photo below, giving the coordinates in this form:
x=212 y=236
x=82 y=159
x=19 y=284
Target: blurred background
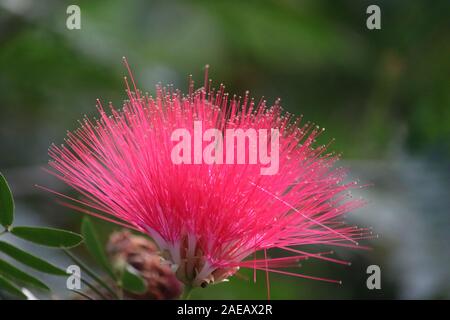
x=383 y=94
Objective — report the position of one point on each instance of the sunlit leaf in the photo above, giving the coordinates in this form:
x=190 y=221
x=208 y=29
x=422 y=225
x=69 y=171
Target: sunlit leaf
x=10 y=271
x=30 y=260
x=6 y=203
x=48 y=236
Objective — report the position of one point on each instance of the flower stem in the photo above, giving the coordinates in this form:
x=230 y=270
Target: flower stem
x=187 y=292
x=92 y=274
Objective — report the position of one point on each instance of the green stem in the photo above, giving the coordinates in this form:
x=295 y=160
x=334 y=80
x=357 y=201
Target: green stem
x=187 y=292
x=121 y=294
x=91 y=274
x=94 y=289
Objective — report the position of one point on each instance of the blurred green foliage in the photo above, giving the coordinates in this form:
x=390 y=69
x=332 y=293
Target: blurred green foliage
x=318 y=56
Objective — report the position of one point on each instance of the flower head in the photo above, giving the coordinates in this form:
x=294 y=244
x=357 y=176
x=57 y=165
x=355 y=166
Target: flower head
x=210 y=219
x=142 y=254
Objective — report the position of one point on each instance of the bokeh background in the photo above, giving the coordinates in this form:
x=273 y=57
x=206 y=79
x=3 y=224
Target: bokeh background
x=383 y=94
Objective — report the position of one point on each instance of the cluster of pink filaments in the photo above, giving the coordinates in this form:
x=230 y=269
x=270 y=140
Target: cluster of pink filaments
x=209 y=219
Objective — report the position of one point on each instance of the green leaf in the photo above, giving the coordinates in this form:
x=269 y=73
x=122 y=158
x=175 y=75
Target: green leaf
x=6 y=203
x=94 y=246
x=11 y=288
x=10 y=271
x=30 y=260
x=132 y=281
x=48 y=236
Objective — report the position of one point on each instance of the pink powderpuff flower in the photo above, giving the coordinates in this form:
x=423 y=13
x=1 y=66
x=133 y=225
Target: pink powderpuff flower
x=209 y=220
